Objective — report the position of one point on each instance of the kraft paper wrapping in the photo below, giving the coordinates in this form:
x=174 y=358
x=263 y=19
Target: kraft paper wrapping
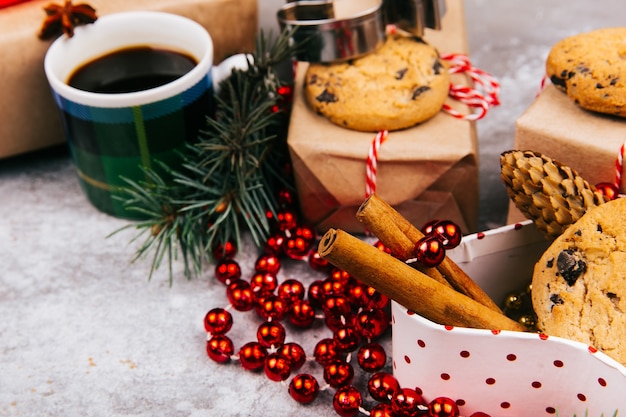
x=426 y=172
x=587 y=142
x=28 y=116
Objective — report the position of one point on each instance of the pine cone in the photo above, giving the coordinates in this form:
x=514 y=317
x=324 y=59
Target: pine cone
x=551 y=194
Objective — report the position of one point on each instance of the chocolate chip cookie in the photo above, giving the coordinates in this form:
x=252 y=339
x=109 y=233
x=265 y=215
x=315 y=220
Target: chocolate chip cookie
x=579 y=284
x=591 y=69
x=401 y=84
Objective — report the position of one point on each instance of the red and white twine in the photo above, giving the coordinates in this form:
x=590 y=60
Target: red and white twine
x=482 y=96
x=372 y=163
x=619 y=166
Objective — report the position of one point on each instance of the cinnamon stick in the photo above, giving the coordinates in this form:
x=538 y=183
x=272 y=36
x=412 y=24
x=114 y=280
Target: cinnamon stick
x=408 y=286
x=400 y=236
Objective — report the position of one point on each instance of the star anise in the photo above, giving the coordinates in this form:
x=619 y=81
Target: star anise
x=64 y=18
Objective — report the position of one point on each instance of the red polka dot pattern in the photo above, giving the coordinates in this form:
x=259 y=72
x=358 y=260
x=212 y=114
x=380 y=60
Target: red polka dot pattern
x=516 y=373
x=504 y=373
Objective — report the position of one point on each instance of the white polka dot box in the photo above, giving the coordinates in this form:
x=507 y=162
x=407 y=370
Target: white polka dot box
x=504 y=374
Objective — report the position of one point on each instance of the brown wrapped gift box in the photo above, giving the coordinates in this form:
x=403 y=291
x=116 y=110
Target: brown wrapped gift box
x=28 y=115
x=587 y=142
x=425 y=172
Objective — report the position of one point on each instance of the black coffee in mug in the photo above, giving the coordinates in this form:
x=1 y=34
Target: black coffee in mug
x=131 y=69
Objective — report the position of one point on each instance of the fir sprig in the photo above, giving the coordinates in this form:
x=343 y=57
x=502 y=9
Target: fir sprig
x=229 y=178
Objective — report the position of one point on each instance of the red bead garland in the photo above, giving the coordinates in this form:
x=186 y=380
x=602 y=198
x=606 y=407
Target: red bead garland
x=355 y=314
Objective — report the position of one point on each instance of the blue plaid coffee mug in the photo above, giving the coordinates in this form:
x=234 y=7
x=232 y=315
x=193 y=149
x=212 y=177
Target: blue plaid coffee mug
x=124 y=114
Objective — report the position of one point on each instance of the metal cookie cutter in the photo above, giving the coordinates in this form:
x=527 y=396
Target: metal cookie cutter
x=338 y=30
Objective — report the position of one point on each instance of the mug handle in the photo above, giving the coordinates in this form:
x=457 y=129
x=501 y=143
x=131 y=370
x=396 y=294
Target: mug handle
x=224 y=69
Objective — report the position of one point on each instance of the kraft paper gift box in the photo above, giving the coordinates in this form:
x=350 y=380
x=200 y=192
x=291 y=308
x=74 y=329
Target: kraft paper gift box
x=585 y=141
x=425 y=172
x=30 y=118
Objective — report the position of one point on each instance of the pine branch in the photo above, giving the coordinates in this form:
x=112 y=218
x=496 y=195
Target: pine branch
x=229 y=178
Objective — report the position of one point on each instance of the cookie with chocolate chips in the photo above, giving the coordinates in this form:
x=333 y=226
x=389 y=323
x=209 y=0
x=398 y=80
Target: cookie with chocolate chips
x=591 y=69
x=401 y=84
x=579 y=284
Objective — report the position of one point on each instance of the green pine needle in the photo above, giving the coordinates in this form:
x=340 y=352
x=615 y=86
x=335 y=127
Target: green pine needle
x=229 y=178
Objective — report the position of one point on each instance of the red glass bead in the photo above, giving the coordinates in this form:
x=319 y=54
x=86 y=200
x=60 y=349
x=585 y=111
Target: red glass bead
x=317 y=263
x=291 y=290
x=252 y=356
x=429 y=226
x=277 y=367
x=315 y=293
x=283 y=100
x=325 y=351
x=272 y=307
x=295 y=353
x=267 y=264
x=271 y=333
x=382 y=386
x=269 y=215
x=429 y=251
x=443 y=407
x=337 y=322
x=285 y=197
x=338 y=373
x=357 y=294
x=223 y=251
x=406 y=402
x=346 y=338
x=218 y=321
x=240 y=295
x=263 y=283
x=449 y=232
x=286 y=220
x=375 y=299
x=342 y=276
x=274 y=244
x=610 y=191
x=304 y=388
x=371 y=357
x=332 y=286
x=381 y=410
x=301 y=314
x=336 y=306
x=347 y=401
x=480 y=414
x=220 y=348
x=296 y=247
x=227 y=271
x=372 y=323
